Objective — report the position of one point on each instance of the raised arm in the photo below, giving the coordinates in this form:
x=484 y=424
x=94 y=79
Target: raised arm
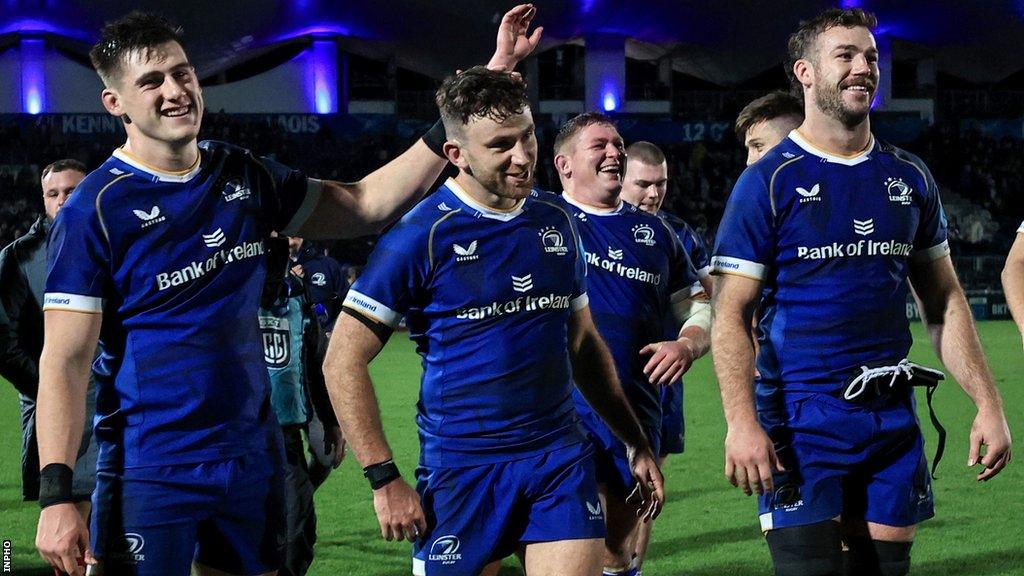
x=367 y=206
x=749 y=455
x=1013 y=281
x=69 y=347
x=950 y=325
x=354 y=344
x=594 y=372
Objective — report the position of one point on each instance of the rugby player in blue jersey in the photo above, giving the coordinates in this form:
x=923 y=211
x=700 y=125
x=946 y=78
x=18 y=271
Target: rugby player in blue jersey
x=160 y=255
x=492 y=282
x=639 y=274
x=837 y=228
x=645 y=186
x=1013 y=280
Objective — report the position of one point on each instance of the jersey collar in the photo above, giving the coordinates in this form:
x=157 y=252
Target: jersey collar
x=161 y=176
x=484 y=211
x=594 y=210
x=844 y=160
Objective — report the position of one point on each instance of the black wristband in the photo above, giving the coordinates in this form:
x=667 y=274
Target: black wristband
x=435 y=139
x=55 y=485
x=381 y=474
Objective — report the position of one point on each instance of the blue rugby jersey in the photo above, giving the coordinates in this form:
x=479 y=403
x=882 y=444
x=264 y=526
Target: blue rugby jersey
x=832 y=239
x=175 y=262
x=693 y=244
x=636 y=268
x=487 y=297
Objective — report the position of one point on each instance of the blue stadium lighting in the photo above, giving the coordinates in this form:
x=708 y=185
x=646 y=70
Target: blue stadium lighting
x=33 y=75
x=609 y=102
x=323 y=65
x=847 y=4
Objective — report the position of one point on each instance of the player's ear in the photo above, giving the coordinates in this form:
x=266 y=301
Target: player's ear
x=804 y=72
x=453 y=152
x=112 y=102
x=563 y=165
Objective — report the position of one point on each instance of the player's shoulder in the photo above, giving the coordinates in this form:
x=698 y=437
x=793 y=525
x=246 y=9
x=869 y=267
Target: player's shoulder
x=110 y=180
x=218 y=148
x=785 y=154
x=429 y=215
x=550 y=203
x=903 y=159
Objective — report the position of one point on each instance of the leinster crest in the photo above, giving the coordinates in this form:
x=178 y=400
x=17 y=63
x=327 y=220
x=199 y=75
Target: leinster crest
x=276 y=343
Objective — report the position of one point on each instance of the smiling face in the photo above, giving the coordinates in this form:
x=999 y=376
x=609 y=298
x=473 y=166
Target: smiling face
x=645 y=185
x=593 y=162
x=841 y=77
x=157 y=89
x=500 y=156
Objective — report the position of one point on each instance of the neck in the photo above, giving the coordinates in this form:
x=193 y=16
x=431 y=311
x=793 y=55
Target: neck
x=834 y=137
x=482 y=195
x=594 y=198
x=163 y=156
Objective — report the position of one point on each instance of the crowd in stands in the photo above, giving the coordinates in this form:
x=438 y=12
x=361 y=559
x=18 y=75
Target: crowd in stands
x=981 y=177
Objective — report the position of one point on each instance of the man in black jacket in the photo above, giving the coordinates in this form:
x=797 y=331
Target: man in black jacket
x=22 y=275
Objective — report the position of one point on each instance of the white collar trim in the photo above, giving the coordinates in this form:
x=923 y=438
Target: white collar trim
x=158 y=174
x=486 y=212
x=811 y=148
x=594 y=210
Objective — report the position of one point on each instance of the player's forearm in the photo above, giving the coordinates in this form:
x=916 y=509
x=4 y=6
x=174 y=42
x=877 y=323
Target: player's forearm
x=391 y=190
x=733 y=352
x=1013 y=287
x=60 y=406
x=955 y=339
x=594 y=372
x=355 y=404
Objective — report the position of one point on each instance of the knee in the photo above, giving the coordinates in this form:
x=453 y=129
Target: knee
x=811 y=550
x=866 y=556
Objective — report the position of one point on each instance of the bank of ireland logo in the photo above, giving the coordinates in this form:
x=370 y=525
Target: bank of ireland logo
x=809 y=195
x=466 y=253
x=553 y=241
x=235 y=190
x=643 y=234
x=445 y=550
x=614 y=254
x=898 y=190
x=522 y=283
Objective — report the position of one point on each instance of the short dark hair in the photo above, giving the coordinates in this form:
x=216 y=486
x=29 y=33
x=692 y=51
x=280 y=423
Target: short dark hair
x=136 y=31
x=62 y=165
x=645 y=152
x=801 y=41
x=576 y=124
x=480 y=93
x=768 y=107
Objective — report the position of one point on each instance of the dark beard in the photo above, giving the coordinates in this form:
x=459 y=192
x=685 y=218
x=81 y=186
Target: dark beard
x=830 y=101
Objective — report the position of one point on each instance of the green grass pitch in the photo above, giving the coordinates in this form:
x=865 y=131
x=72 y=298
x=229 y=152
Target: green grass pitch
x=708 y=527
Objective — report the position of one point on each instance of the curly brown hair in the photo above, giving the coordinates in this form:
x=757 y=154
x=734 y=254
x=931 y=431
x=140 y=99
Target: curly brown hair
x=480 y=93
